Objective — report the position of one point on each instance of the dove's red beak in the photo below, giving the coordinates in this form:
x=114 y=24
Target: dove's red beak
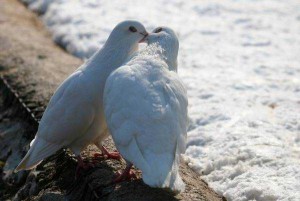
x=145 y=34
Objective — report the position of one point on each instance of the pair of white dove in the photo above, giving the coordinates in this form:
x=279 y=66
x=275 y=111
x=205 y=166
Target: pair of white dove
x=136 y=95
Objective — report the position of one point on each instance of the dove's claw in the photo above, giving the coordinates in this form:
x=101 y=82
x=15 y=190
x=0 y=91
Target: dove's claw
x=127 y=174
x=108 y=155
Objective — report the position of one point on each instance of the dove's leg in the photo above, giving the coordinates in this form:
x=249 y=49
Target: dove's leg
x=106 y=154
x=127 y=174
x=81 y=165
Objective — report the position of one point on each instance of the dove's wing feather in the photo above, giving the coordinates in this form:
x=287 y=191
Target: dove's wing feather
x=39 y=150
x=64 y=121
x=146 y=111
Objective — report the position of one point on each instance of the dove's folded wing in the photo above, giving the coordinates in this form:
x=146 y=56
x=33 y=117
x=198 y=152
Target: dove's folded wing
x=177 y=94
x=66 y=119
x=69 y=113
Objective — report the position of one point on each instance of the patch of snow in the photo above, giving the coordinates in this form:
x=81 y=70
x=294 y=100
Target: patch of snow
x=240 y=62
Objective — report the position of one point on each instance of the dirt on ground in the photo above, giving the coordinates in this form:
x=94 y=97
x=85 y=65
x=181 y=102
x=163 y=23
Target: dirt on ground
x=31 y=68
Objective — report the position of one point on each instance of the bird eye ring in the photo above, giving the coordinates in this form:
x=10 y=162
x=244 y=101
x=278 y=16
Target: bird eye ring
x=132 y=29
x=158 y=30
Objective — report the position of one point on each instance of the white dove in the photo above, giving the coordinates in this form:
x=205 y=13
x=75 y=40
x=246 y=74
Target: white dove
x=145 y=105
x=74 y=117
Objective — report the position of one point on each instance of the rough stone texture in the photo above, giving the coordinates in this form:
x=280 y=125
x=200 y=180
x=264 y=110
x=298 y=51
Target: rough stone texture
x=31 y=67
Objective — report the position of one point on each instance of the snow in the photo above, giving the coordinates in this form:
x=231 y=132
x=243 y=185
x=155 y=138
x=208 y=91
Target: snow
x=240 y=61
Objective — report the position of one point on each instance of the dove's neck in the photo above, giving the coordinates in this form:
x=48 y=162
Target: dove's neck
x=172 y=63
x=168 y=55
x=111 y=56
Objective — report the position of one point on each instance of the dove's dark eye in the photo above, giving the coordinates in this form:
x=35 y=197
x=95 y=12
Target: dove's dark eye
x=132 y=29
x=158 y=30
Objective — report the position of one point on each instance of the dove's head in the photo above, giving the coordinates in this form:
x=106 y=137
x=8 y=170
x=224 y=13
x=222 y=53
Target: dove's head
x=126 y=35
x=168 y=41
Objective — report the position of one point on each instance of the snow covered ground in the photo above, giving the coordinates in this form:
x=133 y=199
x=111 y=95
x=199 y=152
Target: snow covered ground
x=240 y=60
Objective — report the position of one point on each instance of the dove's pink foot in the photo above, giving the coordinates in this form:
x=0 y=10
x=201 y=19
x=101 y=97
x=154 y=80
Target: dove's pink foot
x=108 y=155
x=82 y=166
x=127 y=174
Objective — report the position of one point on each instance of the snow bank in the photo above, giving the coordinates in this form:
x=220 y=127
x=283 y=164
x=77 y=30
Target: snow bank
x=240 y=62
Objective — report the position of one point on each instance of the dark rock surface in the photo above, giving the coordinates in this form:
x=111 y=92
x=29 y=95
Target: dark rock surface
x=31 y=67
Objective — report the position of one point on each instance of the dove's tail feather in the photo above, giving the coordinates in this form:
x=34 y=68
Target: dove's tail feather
x=173 y=180
x=39 y=150
x=164 y=175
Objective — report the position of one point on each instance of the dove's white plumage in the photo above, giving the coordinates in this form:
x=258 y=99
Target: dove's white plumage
x=146 y=111
x=74 y=117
